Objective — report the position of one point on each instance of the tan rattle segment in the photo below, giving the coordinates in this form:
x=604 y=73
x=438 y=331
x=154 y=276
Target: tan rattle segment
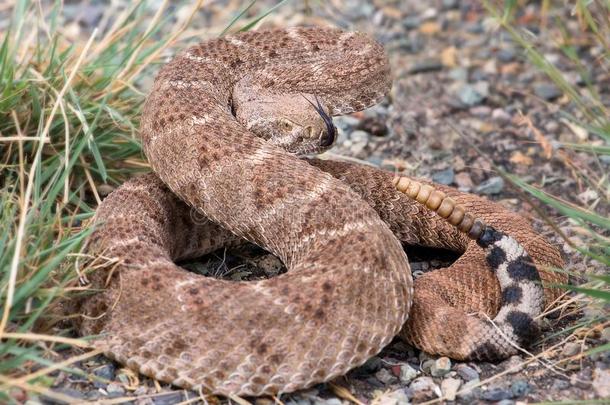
x=446 y=207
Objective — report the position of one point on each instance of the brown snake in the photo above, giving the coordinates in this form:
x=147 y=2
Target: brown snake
x=221 y=128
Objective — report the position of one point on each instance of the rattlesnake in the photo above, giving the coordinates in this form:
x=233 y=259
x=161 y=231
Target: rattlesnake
x=221 y=128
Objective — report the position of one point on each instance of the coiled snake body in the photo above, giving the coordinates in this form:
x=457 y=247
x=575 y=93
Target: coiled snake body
x=221 y=128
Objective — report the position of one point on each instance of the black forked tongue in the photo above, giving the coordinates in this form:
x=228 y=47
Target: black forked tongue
x=331 y=132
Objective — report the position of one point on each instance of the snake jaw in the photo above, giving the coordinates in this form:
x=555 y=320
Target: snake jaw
x=329 y=137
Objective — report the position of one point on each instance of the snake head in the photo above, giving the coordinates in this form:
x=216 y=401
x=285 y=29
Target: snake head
x=291 y=121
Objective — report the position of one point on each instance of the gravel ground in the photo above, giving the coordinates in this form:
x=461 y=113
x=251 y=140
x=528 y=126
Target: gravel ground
x=459 y=82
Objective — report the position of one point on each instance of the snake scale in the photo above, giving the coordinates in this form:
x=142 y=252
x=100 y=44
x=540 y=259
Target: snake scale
x=223 y=128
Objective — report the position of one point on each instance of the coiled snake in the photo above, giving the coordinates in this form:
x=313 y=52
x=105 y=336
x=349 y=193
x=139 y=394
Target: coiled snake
x=222 y=128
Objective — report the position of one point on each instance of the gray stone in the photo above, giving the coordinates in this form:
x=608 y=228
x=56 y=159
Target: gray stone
x=496 y=394
x=65 y=391
x=551 y=126
x=444 y=176
x=426 y=65
x=93 y=395
x=481 y=111
x=398 y=397
x=412 y=43
x=105 y=372
x=493 y=185
x=506 y=402
x=464 y=181
x=507 y=54
x=547 y=91
x=440 y=367
x=582 y=379
x=426 y=366
x=346 y=121
x=474 y=27
x=359 y=136
x=560 y=385
x=514 y=364
x=471 y=95
x=601 y=382
x=501 y=116
x=449 y=4
x=458 y=74
x=449 y=388
x=385 y=376
x=169 y=398
x=467 y=373
x=424 y=388
x=407 y=373
x=469 y=391
x=300 y=401
x=332 y=401
x=411 y=22
x=571 y=349
x=115 y=390
x=520 y=388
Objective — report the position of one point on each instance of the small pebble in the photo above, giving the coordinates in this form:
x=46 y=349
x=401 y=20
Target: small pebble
x=493 y=185
x=424 y=388
x=332 y=401
x=547 y=91
x=496 y=394
x=168 y=398
x=450 y=387
x=407 y=373
x=582 y=379
x=398 y=397
x=106 y=372
x=500 y=116
x=514 y=364
x=520 y=388
x=601 y=382
x=359 y=136
x=469 y=391
x=458 y=74
x=346 y=121
x=571 y=349
x=559 y=385
x=450 y=4
x=115 y=390
x=444 y=176
x=440 y=367
x=411 y=22
x=385 y=376
x=426 y=366
x=506 y=55
x=480 y=111
x=70 y=392
x=104 y=189
x=471 y=95
x=464 y=181
x=426 y=65
x=467 y=373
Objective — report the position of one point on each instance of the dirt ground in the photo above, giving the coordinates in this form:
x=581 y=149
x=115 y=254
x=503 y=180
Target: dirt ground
x=460 y=84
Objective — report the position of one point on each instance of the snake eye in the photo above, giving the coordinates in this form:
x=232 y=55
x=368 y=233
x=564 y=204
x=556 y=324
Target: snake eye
x=285 y=125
